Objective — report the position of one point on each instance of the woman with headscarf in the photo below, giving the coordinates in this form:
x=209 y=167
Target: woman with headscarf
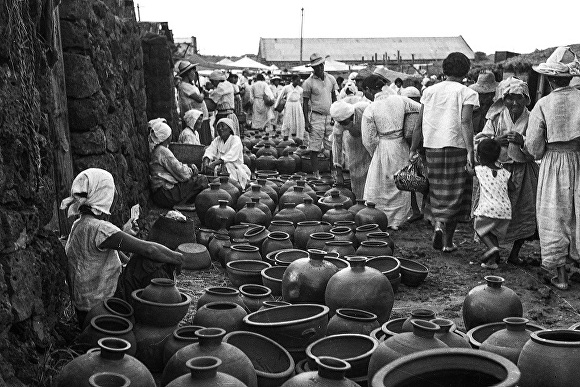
x=507 y=122
x=172 y=182
x=262 y=114
x=347 y=134
x=222 y=95
x=191 y=96
x=350 y=93
x=190 y=134
x=554 y=137
x=93 y=245
x=293 y=118
x=226 y=152
x=382 y=136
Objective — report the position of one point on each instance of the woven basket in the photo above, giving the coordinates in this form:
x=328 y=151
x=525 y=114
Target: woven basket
x=188 y=153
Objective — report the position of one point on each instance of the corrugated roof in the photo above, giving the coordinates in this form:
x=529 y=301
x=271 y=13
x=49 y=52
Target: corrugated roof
x=353 y=49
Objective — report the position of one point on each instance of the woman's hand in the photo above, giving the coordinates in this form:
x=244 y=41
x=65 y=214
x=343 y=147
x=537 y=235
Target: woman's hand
x=413 y=155
x=515 y=137
x=503 y=140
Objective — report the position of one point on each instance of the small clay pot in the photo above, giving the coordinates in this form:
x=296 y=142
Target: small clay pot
x=111 y=305
x=370 y=248
x=341 y=247
x=245 y=272
x=286 y=226
x=349 y=320
x=272 y=279
x=362 y=231
x=417 y=314
x=318 y=240
x=181 y=337
x=109 y=379
x=276 y=240
x=220 y=294
x=162 y=291
x=244 y=252
x=254 y=296
x=225 y=315
x=107 y=326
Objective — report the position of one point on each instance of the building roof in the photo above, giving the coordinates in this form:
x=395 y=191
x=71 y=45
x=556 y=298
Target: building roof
x=353 y=49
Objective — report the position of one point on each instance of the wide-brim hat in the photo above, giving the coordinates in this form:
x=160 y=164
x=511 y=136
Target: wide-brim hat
x=275 y=77
x=185 y=66
x=486 y=83
x=554 y=67
x=316 y=59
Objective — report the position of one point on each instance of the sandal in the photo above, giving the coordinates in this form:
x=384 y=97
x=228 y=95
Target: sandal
x=558 y=285
x=490 y=266
x=438 y=239
x=449 y=249
x=414 y=218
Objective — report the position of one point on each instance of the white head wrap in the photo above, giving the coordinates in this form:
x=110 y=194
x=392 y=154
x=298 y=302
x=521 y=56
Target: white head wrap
x=555 y=66
x=191 y=116
x=411 y=92
x=159 y=131
x=352 y=76
x=98 y=186
x=341 y=110
x=229 y=123
x=349 y=87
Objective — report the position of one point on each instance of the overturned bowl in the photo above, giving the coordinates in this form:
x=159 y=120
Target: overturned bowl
x=412 y=273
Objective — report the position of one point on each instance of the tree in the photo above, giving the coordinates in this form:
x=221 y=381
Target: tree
x=480 y=56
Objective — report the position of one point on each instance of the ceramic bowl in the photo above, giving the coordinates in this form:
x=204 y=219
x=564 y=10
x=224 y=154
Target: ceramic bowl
x=287 y=256
x=272 y=279
x=412 y=273
x=195 y=256
x=245 y=271
x=389 y=266
x=479 y=334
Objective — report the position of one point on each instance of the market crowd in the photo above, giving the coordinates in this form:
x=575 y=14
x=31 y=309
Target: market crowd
x=486 y=156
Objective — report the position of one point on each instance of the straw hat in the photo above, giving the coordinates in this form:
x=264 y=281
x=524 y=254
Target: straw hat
x=184 y=66
x=316 y=59
x=486 y=83
x=275 y=77
x=382 y=72
x=217 y=75
x=554 y=66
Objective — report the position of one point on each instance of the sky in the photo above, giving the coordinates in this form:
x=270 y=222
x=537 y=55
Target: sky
x=234 y=27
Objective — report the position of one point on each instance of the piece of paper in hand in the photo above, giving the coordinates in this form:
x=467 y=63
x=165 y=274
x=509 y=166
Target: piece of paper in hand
x=135 y=210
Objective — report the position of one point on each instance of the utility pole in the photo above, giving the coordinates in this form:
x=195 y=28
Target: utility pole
x=301 y=29
x=138 y=13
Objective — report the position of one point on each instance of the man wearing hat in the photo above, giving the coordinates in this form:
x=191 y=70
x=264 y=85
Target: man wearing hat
x=485 y=87
x=276 y=90
x=191 y=97
x=319 y=94
x=223 y=95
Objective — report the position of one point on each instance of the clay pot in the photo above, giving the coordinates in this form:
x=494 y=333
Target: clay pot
x=266 y=162
x=290 y=182
x=361 y=232
x=272 y=279
x=210 y=197
x=342 y=233
x=107 y=326
x=286 y=164
x=215 y=213
x=109 y=379
x=157 y=314
x=294 y=326
x=275 y=241
x=448 y=367
x=245 y=272
x=422 y=338
x=231 y=186
x=359 y=205
x=449 y=334
x=221 y=314
x=203 y=373
x=273 y=364
x=389 y=266
x=161 y=290
x=303 y=232
x=417 y=314
x=337 y=213
x=382 y=236
x=393 y=327
x=237 y=231
x=287 y=256
x=508 y=342
x=476 y=336
x=110 y=356
x=491 y=302
x=180 y=338
x=331 y=372
x=204 y=236
x=269 y=188
x=220 y=294
x=112 y=305
x=348 y=320
x=308 y=190
x=413 y=273
x=342 y=248
x=195 y=256
x=340 y=263
x=243 y=252
x=350 y=287
x=290 y=213
x=267 y=149
x=216 y=244
x=256 y=191
x=355 y=349
x=550 y=358
x=254 y=296
x=150 y=341
x=343 y=191
x=370 y=248
x=321 y=184
x=285 y=143
x=294 y=195
x=305 y=279
x=256 y=235
x=328 y=202
x=172 y=232
x=318 y=240
x=347 y=223
x=371 y=215
x=234 y=361
x=251 y=214
x=265 y=209
x=286 y=226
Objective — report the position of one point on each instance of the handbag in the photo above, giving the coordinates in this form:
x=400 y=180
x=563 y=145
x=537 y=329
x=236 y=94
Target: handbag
x=267 y=100
x=280 y=107
x=412 y=177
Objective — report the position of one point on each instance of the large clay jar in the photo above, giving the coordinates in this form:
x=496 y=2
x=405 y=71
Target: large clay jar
x=210 y=197
x=256 y=191
x=343 y=233
x=110 y=356
x=449 y=334
x=310 y=210
x=342 y=248
x=203 y=373
x=231 y=186
x=216 y=244
x=448 y=367
x=331 y=373
x=195 y=256
x=508 y=342
x=221 y=314
x=243 y=252
x=256 y=235
x=305 y=279
x=294 y=195
x=348 y=320
x=297 y=159
x=328 y=202
x=290 y=213
x=215 y=214
x=268 y=187
x=359 y=205
x=286 y=164
x=286 y=226
x=172 y=232
x=362 y=232
x=108 y=379
x=107 y=326
x=318 y=240
x=180 y=338
x=346 y=223
x=417 y=314
x=275 y=241
x=251 y=214
x=234 y=361
x=351 y=287
x=204 y=236
x=264 y=208
x=370 y=248
x=550 y=358
x=266 y=162
x=369 y=215
x=111 y=305
x=306 y=189
x=254 y=296
x=491 y=302
x=220 y=294
x=382 y=236
x=290 y=182
x=303 y=232
x=422 y=338
x=336 y=214
x=267 y=149
x=343 y=192
x=150 y=341
x=286 y=142
x=237 y=231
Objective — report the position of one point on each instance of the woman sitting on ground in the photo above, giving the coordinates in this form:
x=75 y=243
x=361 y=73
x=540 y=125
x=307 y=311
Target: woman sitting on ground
x=93 y=245
x=190 y=134
x=226 y=152
x=172 y=182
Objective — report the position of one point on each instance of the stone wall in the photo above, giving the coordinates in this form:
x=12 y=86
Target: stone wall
x=106 y=95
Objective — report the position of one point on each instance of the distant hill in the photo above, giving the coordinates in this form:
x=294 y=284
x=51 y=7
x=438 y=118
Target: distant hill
x=525 y=62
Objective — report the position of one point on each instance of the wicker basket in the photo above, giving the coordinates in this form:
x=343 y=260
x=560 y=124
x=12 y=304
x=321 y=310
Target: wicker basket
x=188 y=153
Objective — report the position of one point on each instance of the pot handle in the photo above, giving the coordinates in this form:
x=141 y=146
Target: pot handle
x=308 y=333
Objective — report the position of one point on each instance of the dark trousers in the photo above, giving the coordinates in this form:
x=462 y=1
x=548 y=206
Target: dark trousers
x=181 y=193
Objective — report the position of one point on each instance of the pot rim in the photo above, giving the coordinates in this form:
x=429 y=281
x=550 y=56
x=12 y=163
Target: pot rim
x=136 y=295
x=386 y=258
x=501 y=325
x=266 y=275
x=537 y=337
x=367 y=227
x=115 y=318
x=413 y=270
x=266 y=291
x=120 y=301
x=232 y=265
x=218 y=290
x=233 y=305
x=93 y=379
x=324 y=311
x=367 y=316
x=177 y=333
x=368 y=353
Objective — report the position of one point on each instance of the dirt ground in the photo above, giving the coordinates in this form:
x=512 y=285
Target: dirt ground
x=450 y=279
